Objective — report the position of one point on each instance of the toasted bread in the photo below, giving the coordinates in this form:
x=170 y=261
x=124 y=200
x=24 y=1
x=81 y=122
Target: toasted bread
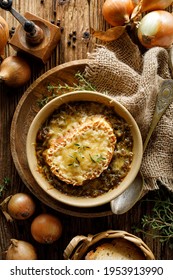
x=82 y=153
x=119 y=249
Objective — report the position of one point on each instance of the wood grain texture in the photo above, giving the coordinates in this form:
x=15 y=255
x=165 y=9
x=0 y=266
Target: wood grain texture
x=73 y=16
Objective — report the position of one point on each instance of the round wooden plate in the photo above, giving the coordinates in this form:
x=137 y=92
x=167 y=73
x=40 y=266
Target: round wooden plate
x=25 y=112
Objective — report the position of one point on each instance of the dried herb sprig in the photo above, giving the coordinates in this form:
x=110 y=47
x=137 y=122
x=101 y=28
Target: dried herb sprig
x=160 y=223
x=56 y=90
x=4 y=185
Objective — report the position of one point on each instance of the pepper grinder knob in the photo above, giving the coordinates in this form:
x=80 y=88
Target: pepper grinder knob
x=34 y=34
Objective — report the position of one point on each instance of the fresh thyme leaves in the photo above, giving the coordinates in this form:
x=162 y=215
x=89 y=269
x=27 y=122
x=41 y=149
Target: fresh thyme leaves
x=5 y=183
x=100 y=158
x=97 y=158
x=159 y=224
x=92 y=159
x=82 y=147
x=83 y=83
x=76 y=161
x=77 y=145
x=79 y=156
x=56 y=90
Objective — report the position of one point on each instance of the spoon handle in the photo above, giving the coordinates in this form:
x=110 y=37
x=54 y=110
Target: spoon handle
x=164 y=98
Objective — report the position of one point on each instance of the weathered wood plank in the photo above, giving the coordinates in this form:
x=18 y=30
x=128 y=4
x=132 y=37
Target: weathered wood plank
x=74 y=19
x=79 y=16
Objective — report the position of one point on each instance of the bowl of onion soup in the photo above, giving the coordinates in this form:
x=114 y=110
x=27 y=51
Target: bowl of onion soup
x=84 y=148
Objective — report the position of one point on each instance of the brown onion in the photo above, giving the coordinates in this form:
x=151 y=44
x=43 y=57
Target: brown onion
x=156 y=29
x=117 y=12
x=46 y=228
x=21 y=250
x=152 y=5
x=15 y=71
x=4 y=34
x=21 y=206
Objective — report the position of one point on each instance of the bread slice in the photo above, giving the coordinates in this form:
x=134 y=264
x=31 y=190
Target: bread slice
x=83 y=153
x=120 y=249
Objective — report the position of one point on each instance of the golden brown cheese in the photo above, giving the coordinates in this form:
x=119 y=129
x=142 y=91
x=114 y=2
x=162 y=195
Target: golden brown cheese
x=83 y=153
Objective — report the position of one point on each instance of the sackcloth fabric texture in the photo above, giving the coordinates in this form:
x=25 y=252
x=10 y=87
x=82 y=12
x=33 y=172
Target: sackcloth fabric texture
x=133 y=78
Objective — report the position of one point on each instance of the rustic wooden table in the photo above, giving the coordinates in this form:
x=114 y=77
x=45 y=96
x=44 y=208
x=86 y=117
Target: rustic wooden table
x=74 y=17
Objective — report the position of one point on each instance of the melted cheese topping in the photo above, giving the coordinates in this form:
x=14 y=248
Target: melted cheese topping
x=83 y=153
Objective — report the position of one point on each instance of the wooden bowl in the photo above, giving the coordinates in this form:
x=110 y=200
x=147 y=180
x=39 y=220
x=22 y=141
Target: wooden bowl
x=43 y=115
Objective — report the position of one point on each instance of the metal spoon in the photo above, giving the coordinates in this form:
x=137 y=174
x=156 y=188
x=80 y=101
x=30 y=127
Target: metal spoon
x=131 y=195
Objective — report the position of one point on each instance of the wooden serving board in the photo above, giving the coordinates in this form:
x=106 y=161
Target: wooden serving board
x=25 y=112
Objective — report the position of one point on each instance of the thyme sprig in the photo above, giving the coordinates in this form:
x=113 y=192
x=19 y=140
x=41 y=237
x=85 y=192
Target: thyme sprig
x=4 y=185
x=56 y=90
x=159 y=224
x=81 y=147
x=76 y=161
x=96 y=158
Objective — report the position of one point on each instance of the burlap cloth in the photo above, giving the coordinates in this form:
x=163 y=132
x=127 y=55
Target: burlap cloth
x=119 y=69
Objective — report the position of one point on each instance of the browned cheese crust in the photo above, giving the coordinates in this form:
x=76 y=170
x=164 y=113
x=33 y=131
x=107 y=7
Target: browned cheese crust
x=82 y=153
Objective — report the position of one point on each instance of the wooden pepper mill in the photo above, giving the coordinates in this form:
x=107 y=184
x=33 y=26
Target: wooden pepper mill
x=34 y=35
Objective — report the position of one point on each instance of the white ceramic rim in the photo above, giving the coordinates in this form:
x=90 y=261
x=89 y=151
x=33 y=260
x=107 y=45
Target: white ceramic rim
x=46 y=111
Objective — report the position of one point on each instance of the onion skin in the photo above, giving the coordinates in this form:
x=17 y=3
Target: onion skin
x=21 y=250
x=21 y=206
x=46 y=228
x=117 y=12
x=152 y=5
x=4 y=34
x=156 y=29
x=15 y=71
